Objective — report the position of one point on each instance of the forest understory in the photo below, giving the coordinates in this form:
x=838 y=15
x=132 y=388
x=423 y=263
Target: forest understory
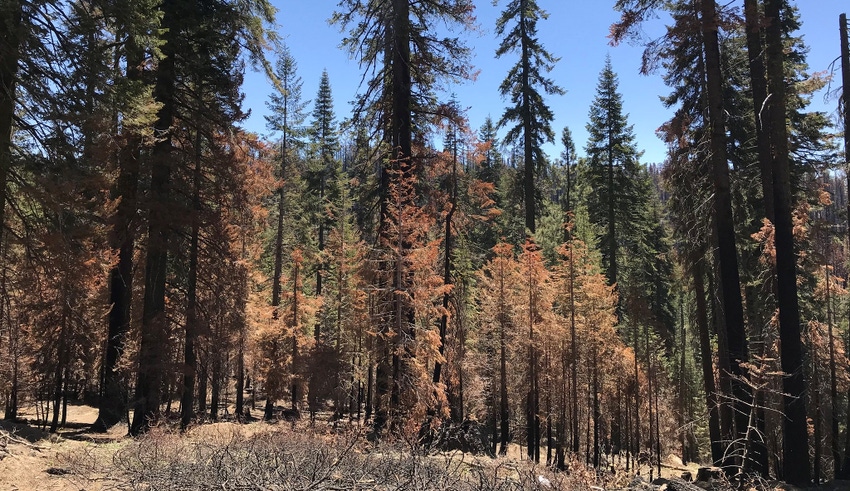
x=300 y=455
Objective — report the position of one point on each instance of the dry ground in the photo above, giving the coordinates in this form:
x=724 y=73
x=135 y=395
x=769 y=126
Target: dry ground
x=262 y=456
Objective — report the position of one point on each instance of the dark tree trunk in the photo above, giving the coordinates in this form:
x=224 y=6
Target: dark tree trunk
x=833 y=383
x=757 y=451
x=707 y=368
x=845 y=82
x=447 y=269
x=684 y=392
x=240 y=376
x=636 y=443
x=370 y=382
x=203 y=380
x=758 y=78
x=295 y=391
x=817 y=418
x=531 y=419
x=154 y=323
x=574 y=355
x=215 y=392
x=596 y=414
x=795 y=441
x=113 y=404
x=11 y=34
x=61 y=361
x=726 y=250
x=187 y=400
x=504 y=415
x=527 y=131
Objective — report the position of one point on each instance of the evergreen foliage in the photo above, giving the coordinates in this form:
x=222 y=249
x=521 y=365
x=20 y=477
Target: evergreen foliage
x=524 y=85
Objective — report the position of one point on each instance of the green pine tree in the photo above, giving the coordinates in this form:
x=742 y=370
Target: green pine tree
x=615 y=187
x=525 y=85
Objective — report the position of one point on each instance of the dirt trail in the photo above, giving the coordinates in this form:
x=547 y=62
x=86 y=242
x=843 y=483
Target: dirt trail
x=32 y=459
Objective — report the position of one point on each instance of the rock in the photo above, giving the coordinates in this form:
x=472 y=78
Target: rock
x=639 y=483
x=705 y=474
x=687 y=476
x=660 y=481
x=674 y=459
x=680 y=485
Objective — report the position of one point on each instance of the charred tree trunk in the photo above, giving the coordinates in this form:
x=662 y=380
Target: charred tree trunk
x=795 y=441
x=151 y=368
x=833 y=383
x=504 y=415
x=758 y=461
x=11 y=37
x=574 y=355
x=726 y=249
x=845 y=91
x=203 y=381
x=61 y=361
x=447 y=269
x=527 y=131
x=187 y=400
x=113 y=404
x=240 y=376
x=707 y=368
x=597 y=416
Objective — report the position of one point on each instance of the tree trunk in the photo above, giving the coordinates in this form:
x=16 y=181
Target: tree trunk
x=504 y=415
x=574 y=354
x=817 y=422
x=11 y=34
x=845 y=82
x=755 y=55
x=726 y=250
x=596 y=414
x=154 y=332
x=636 y=443
x=296 y=313
x=203 y=380
x=707 y=368
x=758 y=452
x=527 y=132
x=215 y=392
x=684 y=393
x=240 y=376
x=187 y=400
x=447 y=269
x=795 y=441
x=61 y=361
x=833 y=383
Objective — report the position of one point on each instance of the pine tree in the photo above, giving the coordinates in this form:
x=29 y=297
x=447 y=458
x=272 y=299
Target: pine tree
x=523 y=84
x=496 y=279
x=227 y=28
x=383 y=37
x=287 y=115
x=323 y=167
x=614 y=200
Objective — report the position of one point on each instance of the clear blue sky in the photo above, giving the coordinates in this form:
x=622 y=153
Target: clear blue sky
x=576 y=31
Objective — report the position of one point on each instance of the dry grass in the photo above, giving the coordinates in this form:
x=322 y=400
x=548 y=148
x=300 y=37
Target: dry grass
x=258 y=456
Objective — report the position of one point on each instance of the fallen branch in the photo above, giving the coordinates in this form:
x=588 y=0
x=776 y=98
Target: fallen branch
x=6 y=438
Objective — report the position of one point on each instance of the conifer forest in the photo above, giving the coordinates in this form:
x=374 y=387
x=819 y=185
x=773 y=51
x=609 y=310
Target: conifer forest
x=397 y=269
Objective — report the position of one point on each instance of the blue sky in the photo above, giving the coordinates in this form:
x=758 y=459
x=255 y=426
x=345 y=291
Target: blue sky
x=576 y=31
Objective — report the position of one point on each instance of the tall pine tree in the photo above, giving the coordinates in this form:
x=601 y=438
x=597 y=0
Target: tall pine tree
x=525 y=85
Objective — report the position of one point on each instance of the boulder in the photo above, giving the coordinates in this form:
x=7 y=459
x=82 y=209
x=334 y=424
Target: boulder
x=706 y=474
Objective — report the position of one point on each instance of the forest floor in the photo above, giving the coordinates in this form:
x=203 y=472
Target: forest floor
x=276 y=456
